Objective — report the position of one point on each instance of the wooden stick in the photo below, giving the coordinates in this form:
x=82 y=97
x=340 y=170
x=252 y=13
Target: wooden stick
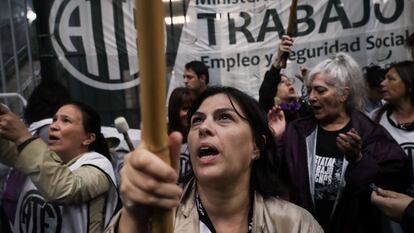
x=289 y=30
x=151 y=50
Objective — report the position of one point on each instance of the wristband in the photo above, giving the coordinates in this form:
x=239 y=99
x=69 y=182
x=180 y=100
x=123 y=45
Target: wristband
x=25 y=143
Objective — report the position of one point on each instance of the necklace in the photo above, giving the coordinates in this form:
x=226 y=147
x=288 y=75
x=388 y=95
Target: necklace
x=408 y=126
x=405 y=125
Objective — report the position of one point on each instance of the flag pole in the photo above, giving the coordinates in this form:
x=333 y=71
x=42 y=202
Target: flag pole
x=289 y=30
x=149 y=19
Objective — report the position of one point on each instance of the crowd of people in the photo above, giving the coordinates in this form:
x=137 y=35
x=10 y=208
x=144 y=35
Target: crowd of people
x=332 y=159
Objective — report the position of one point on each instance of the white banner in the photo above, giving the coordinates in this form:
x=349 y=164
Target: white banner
x=238 y=38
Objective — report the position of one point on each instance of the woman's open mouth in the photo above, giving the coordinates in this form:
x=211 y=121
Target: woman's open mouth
x=207 y=151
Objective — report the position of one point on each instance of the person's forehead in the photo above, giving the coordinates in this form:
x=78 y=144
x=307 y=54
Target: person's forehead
x=218 y=101
x=321 y=79
x=69 y=108
x=70 y=111
x=190 y=71
x=392 y=72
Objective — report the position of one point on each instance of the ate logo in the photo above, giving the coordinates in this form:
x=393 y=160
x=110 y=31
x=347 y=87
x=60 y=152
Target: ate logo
x=408 y=148
x=95 y=41
x=37 y=215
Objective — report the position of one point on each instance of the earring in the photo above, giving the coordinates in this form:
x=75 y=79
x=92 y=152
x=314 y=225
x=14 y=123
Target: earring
x=256 y=155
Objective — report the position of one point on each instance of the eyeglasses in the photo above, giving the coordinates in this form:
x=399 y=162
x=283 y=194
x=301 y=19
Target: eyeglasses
x=285 y=81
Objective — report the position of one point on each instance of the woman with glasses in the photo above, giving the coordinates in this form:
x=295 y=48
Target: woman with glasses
x=278 y=91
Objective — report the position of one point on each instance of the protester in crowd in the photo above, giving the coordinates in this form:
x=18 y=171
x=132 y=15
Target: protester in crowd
x=196 y=76
x=373 y=76
x=278 y=90
x=180 y=101
x=397 y=206
x=400 y=83
x=71 y=180
x=397 y=115
x=333 y=156
x=43 y=103
x=235 y=183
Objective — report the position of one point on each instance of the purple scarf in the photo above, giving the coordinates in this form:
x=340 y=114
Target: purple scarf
x=14 y=186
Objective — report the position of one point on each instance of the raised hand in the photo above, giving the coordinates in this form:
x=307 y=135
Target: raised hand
x=11 y=127
x=351 y=144
x=304 y=70
x=284 y=46
x=147 y=181
x=277 y=122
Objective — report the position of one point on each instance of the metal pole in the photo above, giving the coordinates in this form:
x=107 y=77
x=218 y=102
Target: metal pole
x=2 y=73
x=15 y=56
x=172 y=23
x=14 y=95
x=29 y=44
x=184 y=10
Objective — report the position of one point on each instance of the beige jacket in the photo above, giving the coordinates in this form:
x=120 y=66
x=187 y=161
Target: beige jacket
x=56 y=182
x=272 y=215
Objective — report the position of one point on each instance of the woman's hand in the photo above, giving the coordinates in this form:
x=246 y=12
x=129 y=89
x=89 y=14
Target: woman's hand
x=277 y=122
x=304 y=71
x=351 y=144
x=11 y=127
x=391 y=203
x=285 y=46
x=147 y=181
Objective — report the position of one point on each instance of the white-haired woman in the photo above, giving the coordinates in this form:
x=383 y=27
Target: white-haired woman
x=333 y=156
